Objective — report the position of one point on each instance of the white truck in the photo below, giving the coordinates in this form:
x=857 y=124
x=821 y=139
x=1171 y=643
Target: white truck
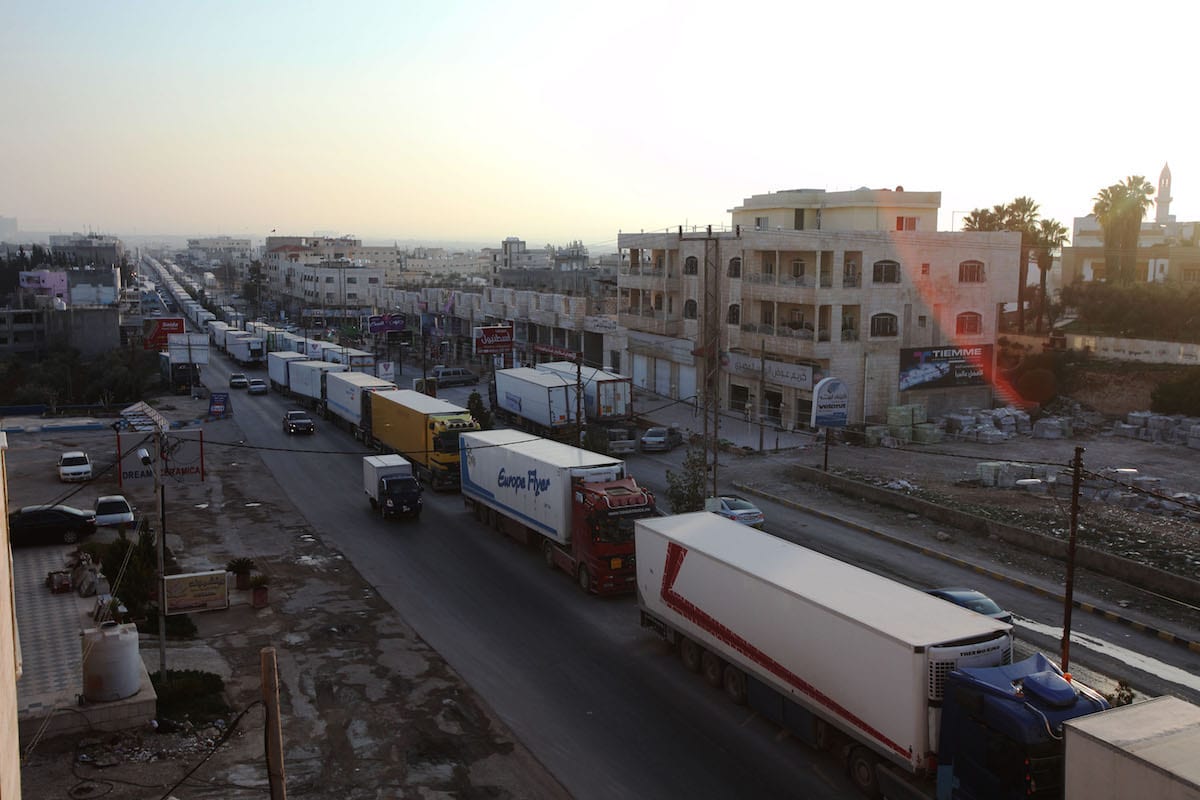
x=357 y=360
x=607 y=397
x=536 y=401
x=851 y=661
x=577 y=506
x=390 y=485
x=277 y=367
x=346 y=397
x=305 y=379
x=247 y=350
x=1149 y=749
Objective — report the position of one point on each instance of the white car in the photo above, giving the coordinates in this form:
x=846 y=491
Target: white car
x=113 y=510
x=74 y=466
x=737 y=509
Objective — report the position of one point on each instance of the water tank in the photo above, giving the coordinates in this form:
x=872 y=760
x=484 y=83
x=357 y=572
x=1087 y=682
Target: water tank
x=112 y=668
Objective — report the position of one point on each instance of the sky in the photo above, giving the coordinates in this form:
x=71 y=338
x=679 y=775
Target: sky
x=558 y=121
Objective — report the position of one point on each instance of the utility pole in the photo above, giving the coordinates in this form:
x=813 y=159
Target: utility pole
x=579 y=423
x=762 y=390
x=711 y=348
x=1069 y=596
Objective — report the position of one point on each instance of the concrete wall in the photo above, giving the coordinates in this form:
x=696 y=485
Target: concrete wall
x=1144 y=351
x=1175 y=586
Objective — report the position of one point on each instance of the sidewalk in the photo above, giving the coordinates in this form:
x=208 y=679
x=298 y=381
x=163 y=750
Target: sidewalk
x=688 y=416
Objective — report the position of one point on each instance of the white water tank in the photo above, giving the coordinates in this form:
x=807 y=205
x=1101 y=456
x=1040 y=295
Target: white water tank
x=111 y=663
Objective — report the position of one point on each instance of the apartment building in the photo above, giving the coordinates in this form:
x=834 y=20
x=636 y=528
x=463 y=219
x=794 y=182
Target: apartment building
x=92 y=249
x=807 y=284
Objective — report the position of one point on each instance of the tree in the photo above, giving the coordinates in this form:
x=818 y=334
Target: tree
x=1120 y=209
x=686 y=489
x=1019 y=216
x=479 y=411
x=1049 y=236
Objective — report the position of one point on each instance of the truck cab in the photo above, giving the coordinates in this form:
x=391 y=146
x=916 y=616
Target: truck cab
x=400 y=495
x=601 y=552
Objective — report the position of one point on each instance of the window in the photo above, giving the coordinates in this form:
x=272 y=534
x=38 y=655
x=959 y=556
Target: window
x=351 y=280
x=329 y=279
x=762 y=223
x=768 y=266
x=735 y=268
x=968 y=324
x=689 y=309
x=372 y=280
x=884 y=325
x=906 y=223
x=970 y=272
x=797 y=267
x=690 y=265
x=734 y=316
x=799 y=223
x=768 y=314
x=922 y=321
x=925 y=270
x=885 y=272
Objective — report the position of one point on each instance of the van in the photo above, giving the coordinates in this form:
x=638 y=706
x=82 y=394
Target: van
x=455 y=376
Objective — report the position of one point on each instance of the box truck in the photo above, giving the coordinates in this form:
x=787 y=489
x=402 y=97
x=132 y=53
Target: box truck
x=577 y=506
x=178 y=376
x=421 y=428
x=306 y=379
x=607 y=397
x=540 y=402
x=277 y=368
x=915 y=693
x=390 y=486
x=346 y=398
x=247 y=350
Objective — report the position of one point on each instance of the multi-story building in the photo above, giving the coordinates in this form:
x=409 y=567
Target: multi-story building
x=94 y=249
x=807 y=284
x=1168 y=250
x=215 y=250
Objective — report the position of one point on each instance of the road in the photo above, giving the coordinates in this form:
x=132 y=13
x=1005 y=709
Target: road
x=601 y=702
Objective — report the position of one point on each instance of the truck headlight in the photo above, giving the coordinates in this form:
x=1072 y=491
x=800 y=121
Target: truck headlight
x=390 y=503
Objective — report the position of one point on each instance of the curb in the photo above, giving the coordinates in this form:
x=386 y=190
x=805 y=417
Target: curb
x=1111 y=616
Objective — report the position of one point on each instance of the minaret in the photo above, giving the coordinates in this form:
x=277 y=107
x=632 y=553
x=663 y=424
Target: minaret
x=1163 y=201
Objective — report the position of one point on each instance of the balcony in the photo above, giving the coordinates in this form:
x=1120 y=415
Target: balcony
x=650 y=321
x=547 y=319
x=851 y=281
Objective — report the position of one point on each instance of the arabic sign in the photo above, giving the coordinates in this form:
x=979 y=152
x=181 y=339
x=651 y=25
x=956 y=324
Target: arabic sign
x=155 y=331
x=493 y=339
x=218 y=404
x=557 y=352
x=196 y=591
x=382 y=323
x=798 y=376
x=831 y=403
x=945 y=367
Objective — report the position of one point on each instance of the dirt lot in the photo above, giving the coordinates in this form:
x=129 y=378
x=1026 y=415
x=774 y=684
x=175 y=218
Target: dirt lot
x=369 y=709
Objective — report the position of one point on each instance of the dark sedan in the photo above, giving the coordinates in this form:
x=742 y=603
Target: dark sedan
x=975 y=601
x=298 y=422
x=50 y=525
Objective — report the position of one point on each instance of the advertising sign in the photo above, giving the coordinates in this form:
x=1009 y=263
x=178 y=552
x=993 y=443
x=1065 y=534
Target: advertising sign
x=183 y=459
x=383 y=323
x=155 y=331
x=132 y=472
x=798 y=376
x=218 y=404
x=187 y=348
x=945 y=367
x=196 y=591
x=558 y=352
x=830 y=404
x=492 y=339
x=385 y=370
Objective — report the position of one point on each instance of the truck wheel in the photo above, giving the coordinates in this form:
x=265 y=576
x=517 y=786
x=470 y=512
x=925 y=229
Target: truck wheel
x=585 y=579
x=861 y=767
x=690 y=654
x=711 y=666
x=734 y=681
x=548 y=553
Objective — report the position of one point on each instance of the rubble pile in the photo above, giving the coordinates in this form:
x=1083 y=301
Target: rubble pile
x=1147 y=426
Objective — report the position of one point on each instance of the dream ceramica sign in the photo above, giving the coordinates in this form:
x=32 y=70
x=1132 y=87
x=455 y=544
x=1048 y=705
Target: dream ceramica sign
x=493 y=339
x=830 y=403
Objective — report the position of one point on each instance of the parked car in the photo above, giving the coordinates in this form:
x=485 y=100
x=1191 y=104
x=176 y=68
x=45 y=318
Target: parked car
x=50 y=524
x=298 y=422
x=74 y=465
x=973 y=600
x=237 y=380
x=113 y=510
x=661 y=439
x=455 y=376
x=738 y=509
x=257 y=386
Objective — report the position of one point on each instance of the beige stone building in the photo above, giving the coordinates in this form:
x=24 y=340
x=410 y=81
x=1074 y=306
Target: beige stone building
x=808 y=284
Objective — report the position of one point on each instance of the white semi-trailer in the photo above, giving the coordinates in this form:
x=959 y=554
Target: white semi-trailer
x=305 y=379
x=346 y=397
x=277 y=367
x=607 y=397
x=540 y=402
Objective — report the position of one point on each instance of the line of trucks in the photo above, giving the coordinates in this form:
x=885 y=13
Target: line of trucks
x=917 y=697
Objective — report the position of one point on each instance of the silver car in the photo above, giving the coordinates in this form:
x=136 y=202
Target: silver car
x=661 y=439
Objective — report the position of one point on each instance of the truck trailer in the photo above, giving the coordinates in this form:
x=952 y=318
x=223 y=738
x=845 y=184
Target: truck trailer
x=390 y=486
x=421 y=428
x=1149 y=749
x=306 y=379
x=579 y=507
x=277 y=368
x=246 y=350
x=357 y=360
x=346 y=397
x=543 y=403
x=178 y=376
x=607 y=397
x=917 y=694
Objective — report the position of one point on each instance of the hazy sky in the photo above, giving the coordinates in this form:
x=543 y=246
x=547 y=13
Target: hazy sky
x=552 y=121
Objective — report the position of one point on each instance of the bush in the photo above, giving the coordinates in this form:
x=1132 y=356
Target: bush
x=1037 y=385
x=190 y=694
x=479 y=411
x=686 y=490
x=1178 y=397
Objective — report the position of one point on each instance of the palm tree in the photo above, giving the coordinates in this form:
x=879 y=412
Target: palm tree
x=1019 y=216
x=1120 y=209
x=1049 y=236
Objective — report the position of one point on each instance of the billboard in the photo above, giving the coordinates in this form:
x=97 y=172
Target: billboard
x=196 y=591
x=382 y=323
x=493 y=339
x=156 y=331
x=831 y=404
x=187 y=348
x=945 y=367
x=798 y=376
